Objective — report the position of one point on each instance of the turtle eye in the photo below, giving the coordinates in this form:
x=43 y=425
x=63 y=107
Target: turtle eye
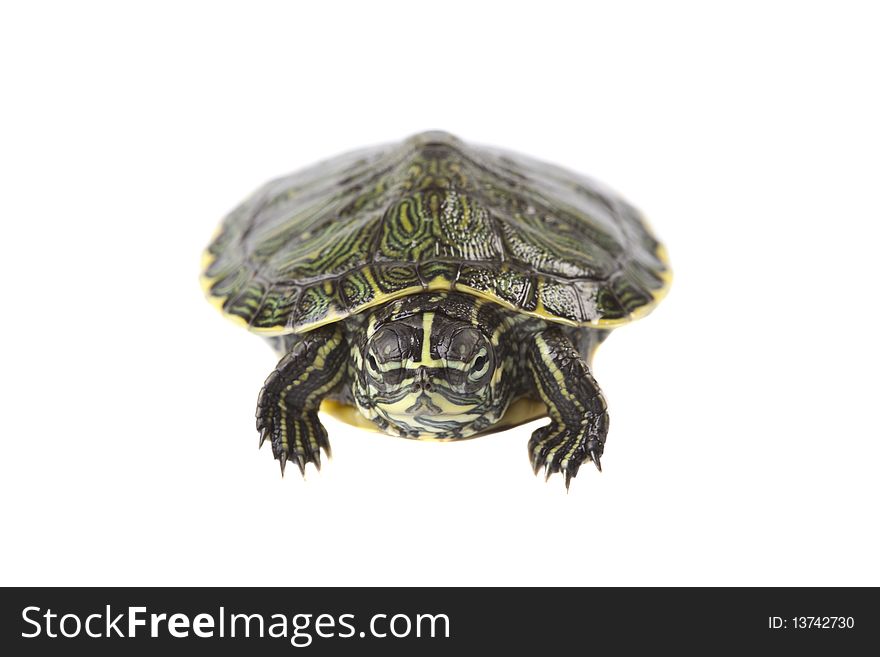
x=387 y=345
x=479 y=366
x=373 y=368
x=385 y=354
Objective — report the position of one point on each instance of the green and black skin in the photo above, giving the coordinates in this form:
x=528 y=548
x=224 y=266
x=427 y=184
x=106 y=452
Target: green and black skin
x=503 y=356
x=430 y=285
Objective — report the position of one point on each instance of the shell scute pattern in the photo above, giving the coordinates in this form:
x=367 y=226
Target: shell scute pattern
x=433 y=213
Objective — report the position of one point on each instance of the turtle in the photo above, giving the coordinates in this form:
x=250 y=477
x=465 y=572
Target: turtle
x=435 y=289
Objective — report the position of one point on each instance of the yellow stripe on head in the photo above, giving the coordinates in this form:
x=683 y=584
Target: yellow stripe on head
x=427 y=324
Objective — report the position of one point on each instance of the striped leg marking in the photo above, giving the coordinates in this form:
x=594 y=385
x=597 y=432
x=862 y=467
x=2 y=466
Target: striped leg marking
x=287 y=408
x=578 y=413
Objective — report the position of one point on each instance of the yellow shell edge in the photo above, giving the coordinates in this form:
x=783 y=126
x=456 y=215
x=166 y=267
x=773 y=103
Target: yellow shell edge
x=440 y=284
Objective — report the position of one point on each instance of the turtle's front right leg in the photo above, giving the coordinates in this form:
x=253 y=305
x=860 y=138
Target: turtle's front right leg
x=578 y=413
x=287 y=408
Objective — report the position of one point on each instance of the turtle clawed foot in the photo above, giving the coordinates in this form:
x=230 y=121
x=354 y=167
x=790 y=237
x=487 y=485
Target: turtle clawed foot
x=301 y=442
x=558 y=449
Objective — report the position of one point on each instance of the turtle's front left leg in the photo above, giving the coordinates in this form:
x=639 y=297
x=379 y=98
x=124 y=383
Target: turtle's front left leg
x=578 y=413
x=287 y=408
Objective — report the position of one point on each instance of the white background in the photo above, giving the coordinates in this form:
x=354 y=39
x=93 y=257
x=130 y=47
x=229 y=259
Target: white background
x=744 y=440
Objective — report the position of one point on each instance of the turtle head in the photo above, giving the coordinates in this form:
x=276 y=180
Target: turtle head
x=431 y=375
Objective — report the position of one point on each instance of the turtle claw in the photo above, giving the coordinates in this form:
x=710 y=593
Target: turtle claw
x=282 y=460
x=300 y=463
x=594 y=456
x=536 y=464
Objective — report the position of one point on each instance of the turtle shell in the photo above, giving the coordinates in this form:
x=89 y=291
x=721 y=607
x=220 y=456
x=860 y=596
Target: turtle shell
x=433 y=213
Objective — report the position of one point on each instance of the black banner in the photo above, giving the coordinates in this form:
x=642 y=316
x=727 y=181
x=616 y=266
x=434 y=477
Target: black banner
x=435 y=621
